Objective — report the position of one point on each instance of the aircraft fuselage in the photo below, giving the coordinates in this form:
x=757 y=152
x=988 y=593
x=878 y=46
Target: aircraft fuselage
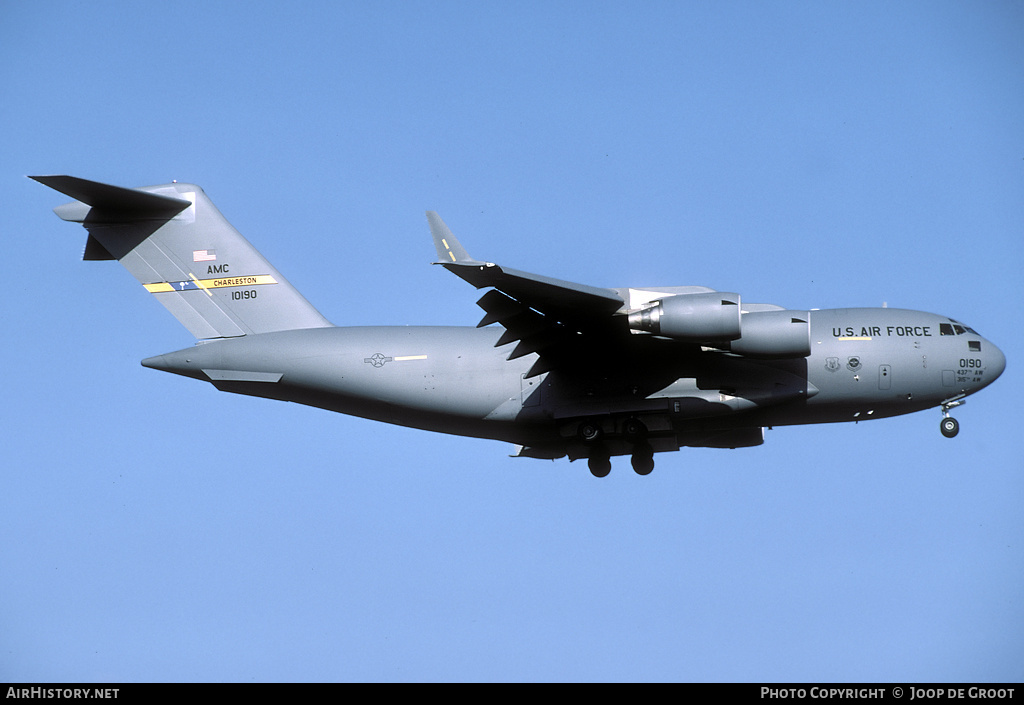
x=864 y=364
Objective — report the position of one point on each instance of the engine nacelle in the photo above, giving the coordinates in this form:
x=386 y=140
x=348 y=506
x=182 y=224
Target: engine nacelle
x=773 y=334
x=699 y=318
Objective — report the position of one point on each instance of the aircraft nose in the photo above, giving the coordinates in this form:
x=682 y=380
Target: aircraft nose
x=996 y=363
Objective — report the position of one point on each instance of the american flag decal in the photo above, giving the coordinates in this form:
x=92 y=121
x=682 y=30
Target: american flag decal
x=204 y=255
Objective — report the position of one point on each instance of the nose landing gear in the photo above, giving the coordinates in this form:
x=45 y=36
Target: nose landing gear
x=950 y=426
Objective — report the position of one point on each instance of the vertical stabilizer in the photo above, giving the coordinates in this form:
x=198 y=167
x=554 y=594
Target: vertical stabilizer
x=183 y=251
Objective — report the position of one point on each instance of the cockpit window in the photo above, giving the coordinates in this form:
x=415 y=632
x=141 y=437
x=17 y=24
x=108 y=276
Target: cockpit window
x=974 y=345
x=955 y=328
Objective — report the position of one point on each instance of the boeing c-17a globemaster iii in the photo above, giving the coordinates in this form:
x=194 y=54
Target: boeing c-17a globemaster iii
x=556 y=368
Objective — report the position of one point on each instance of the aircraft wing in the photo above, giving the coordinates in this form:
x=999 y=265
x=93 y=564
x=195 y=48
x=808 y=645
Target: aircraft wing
x=565 y=300
x=542 y=313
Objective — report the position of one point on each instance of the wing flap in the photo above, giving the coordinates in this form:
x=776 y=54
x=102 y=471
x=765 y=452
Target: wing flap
x=532 y=331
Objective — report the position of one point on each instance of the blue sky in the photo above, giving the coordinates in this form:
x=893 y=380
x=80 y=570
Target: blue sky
x=807 y=154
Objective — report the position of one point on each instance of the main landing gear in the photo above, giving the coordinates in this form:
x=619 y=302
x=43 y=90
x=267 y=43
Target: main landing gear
x=643 y=462
x=599 y=461
x=600 y=464
x=950 y=426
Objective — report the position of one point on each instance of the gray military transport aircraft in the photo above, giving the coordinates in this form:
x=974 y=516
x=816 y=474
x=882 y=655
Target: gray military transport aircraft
x=569 y=369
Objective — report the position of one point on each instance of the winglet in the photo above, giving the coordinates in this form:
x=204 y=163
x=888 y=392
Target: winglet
x=449 y=249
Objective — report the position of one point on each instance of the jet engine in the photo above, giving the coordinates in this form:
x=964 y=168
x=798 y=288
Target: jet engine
x=773 y=334
x=698 y=318
x=715 y=319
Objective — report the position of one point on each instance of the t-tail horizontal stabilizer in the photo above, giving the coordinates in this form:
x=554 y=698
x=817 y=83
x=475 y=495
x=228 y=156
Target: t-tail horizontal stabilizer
x=182 y=250
x=107 y=202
